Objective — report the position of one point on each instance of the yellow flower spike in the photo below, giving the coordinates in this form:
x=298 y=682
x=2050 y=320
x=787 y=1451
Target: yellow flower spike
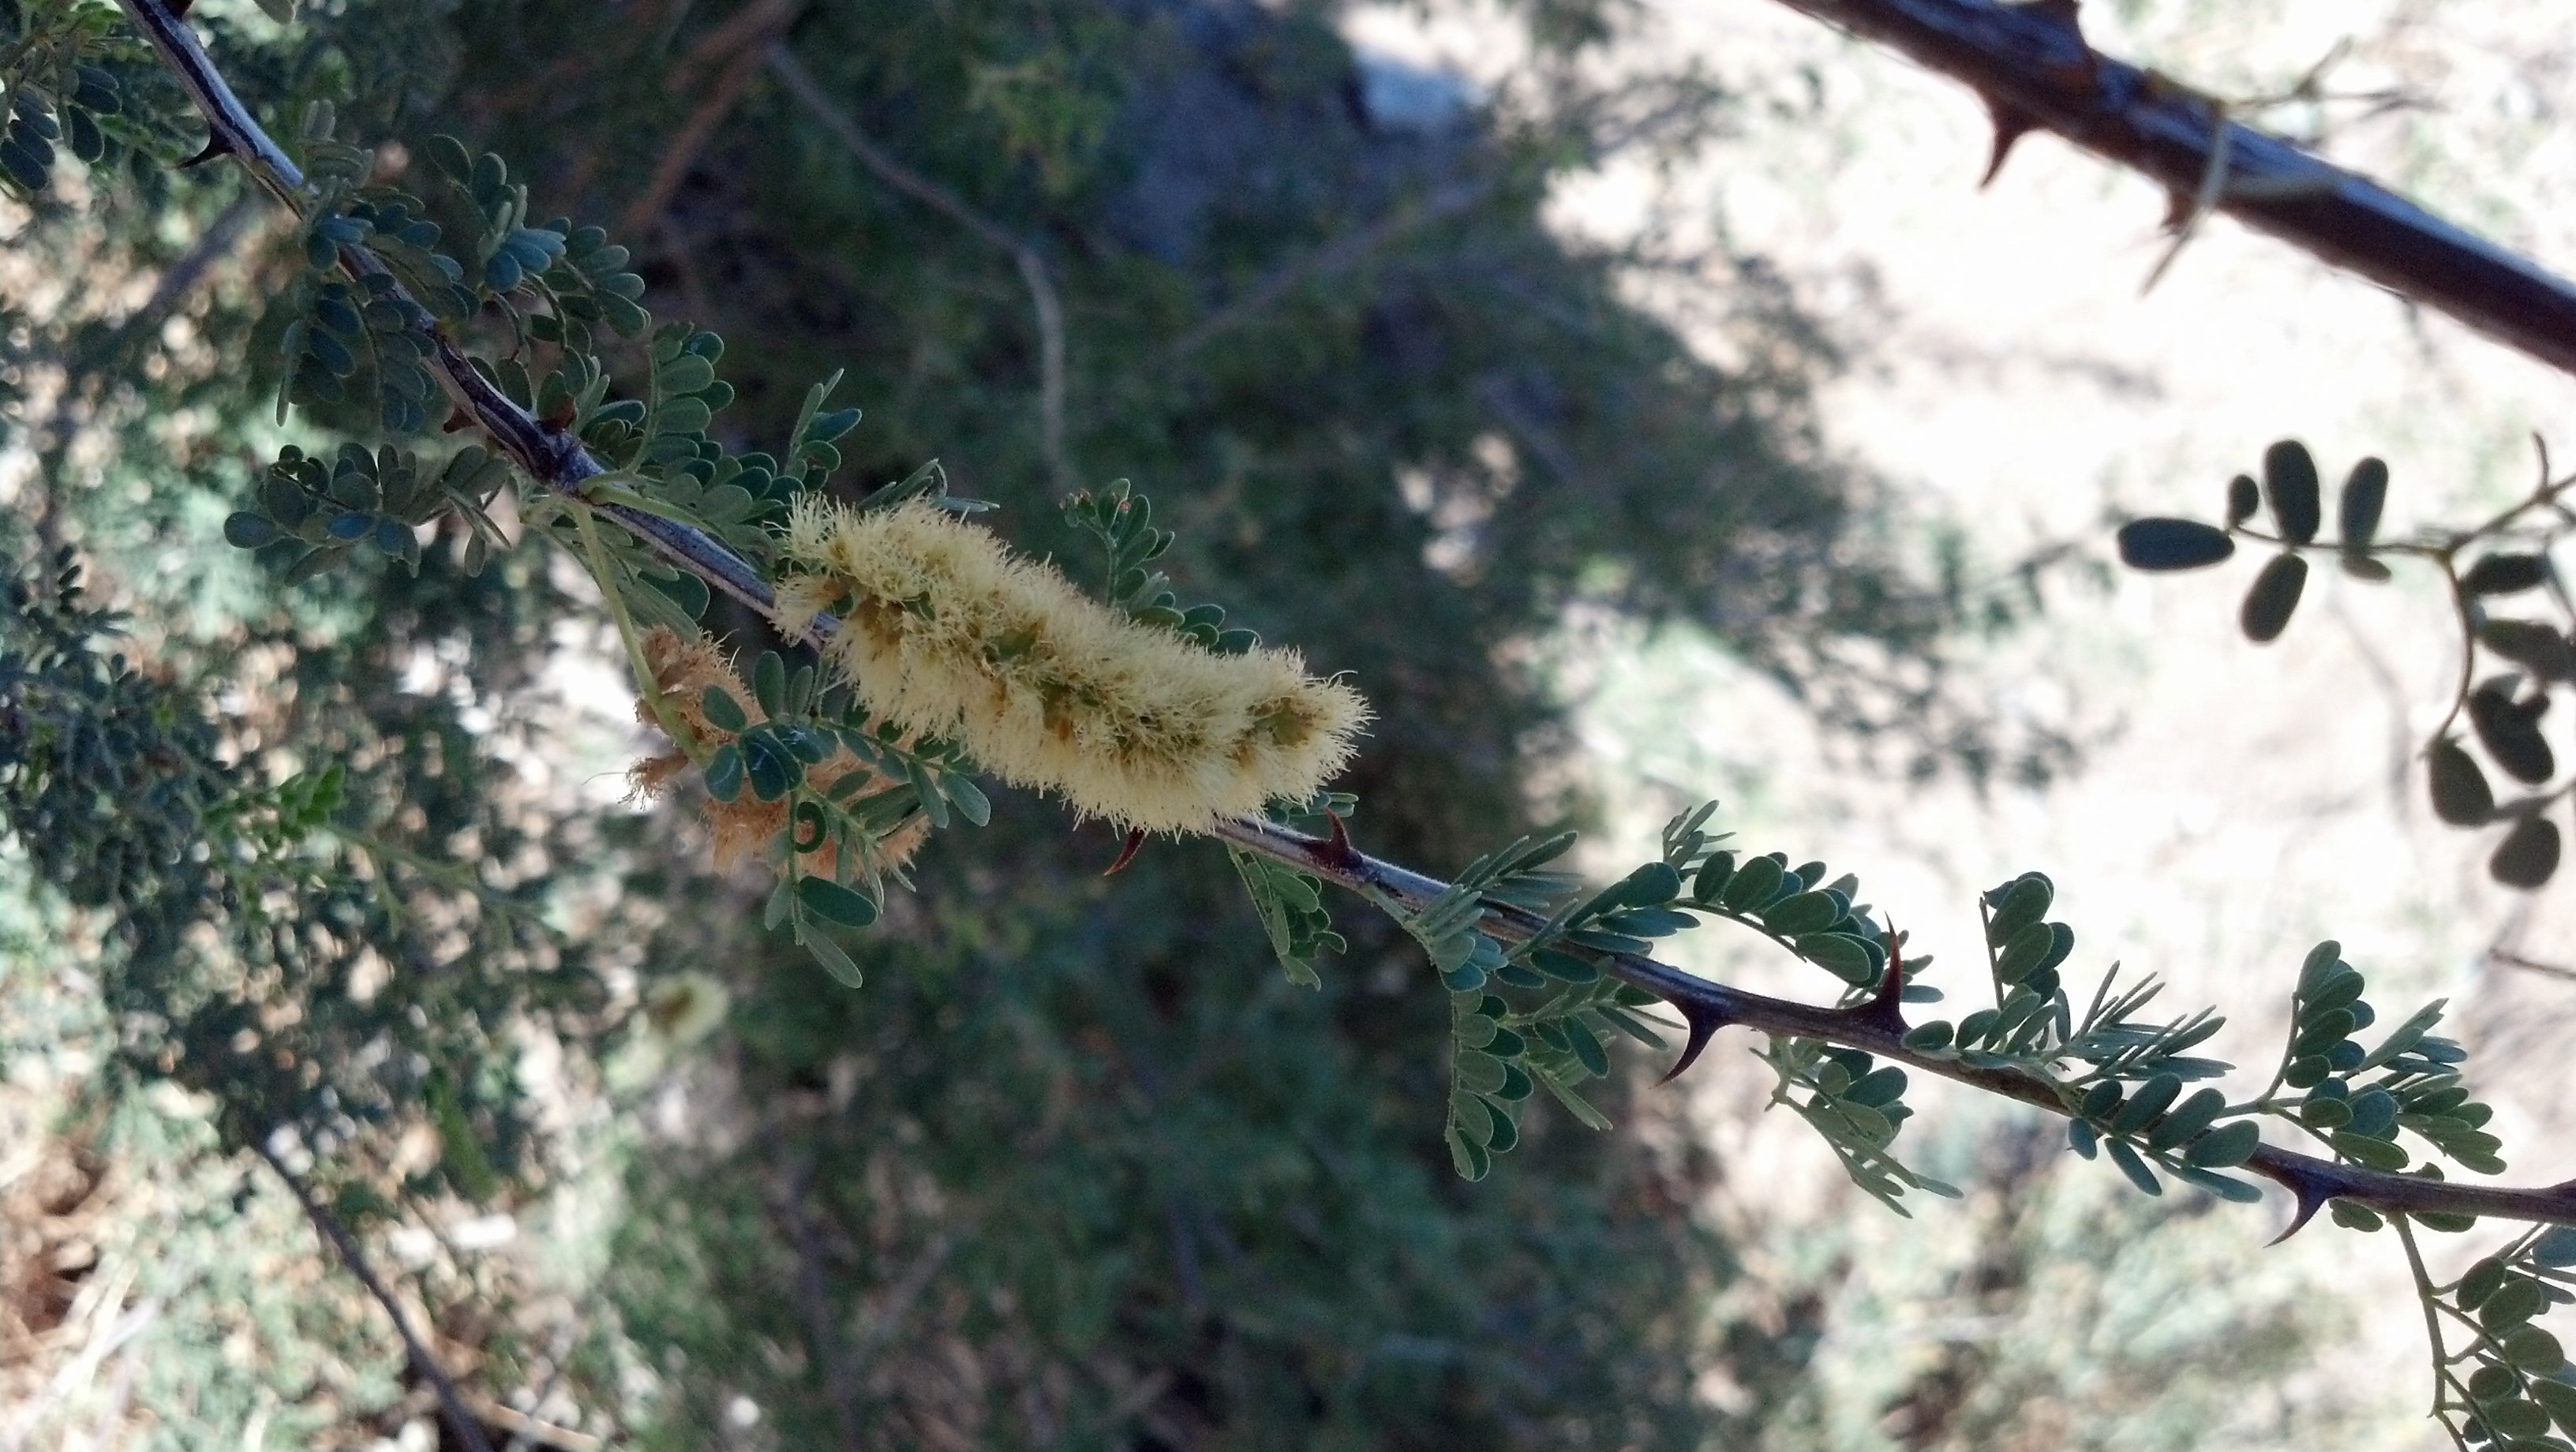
x=949 y=633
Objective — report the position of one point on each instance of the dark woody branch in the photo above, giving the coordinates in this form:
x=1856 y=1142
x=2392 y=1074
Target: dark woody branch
x=2032 y=67
x=555 y=459
x=559 y=463
x=1709 y=1006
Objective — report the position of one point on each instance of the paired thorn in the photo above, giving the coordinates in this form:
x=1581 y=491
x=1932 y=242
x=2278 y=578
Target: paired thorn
x=2312 y=1198
x=216 y=145
x=2181 y=208
x=1886 y=1006
x=2011 y=125
x=1127 y=854
x=1337 y=851
x=1704 y=1020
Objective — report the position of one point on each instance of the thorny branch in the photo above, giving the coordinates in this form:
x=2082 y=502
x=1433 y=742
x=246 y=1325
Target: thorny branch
x=1709 y=1006
x=559 y=463
x=2031 y=65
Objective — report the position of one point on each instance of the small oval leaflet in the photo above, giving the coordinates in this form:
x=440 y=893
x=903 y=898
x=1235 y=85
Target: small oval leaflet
x=2556 y=1398
x=724 y=773
x=2530 y=644
x=2274 y=596
x=1712 y=876
x=2513 y=1420
x=2483 y=1280
x=1808 y=912
x=2365 y=491
x=2133 y=1167
x=2172 y=544
x=1752 y=884
x=825 y=898
x=2243 y=498
x=245 y=530
x=2533 y=1349
x=1843 y=956
x=2023 y=952
x=2505 y=574
x=2225 y=1147
x=2516 y=1302
x=2461 y=795
x=2528 y=856
x=2290 y=483
x=2489 y=1381
x=2510 y=730
x=2150 y=1100
x=2017 y=904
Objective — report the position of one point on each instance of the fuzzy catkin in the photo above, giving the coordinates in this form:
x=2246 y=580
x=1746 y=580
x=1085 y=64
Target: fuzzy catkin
x=949 y=633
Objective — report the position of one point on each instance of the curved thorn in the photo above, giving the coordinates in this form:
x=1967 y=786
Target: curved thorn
x=217 y=144
x=2011 y=125
x=1127 y=854
x=2312 y=1197
x=1704 y=1023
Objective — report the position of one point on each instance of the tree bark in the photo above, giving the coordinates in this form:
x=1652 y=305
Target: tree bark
x=2034 y=70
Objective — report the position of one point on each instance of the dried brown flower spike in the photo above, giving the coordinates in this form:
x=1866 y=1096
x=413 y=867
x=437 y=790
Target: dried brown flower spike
x=682 y=671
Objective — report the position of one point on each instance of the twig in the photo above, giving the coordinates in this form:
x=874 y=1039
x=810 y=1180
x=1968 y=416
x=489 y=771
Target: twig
x=736 y=45
x=175 y=283
x=2033 y=68
x=526 y=1430
x=558 y=462
x=1335 y=257
x=692 y=138
x=814 y=1302
x=451 y=1403
x=2511 y=959
x=1033 y=269
x=529 y=1428
x=1708 y=1005
x=749 y=29
x=889 y=1318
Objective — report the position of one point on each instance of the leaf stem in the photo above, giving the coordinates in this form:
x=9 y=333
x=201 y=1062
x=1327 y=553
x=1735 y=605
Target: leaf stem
x=648 y=686
x=2430 y=1299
